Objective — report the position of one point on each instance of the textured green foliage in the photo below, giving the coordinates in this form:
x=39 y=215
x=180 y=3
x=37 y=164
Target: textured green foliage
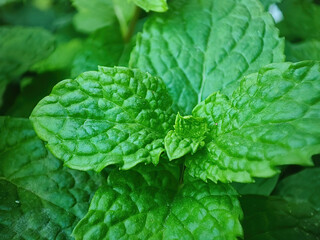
x=153 y=5
x=148 y=203
x=307 y=50
x=274 y=218
x=39 y=198
x=187 y=137
x=301 y=19
x=241 y=120
x=113 y=116
x=199 y=47
x=272 y=119
x=261 y=186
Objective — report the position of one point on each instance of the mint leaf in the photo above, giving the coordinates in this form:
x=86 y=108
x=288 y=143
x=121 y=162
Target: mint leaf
x=302 y=187
x=306 y=50
x=267 y=3
x=199 y=47
x=3 y=85
x=50 y=15
x=113 y=116
x=61 y=58
x=153 y=5
x=293 y=214
x=272 y=119
x=147 y=203
x=4 y=2
x=90 y=17
x=20 y=48
x=261 y=186
x=102 y=48
x=274 y=218
x=39 y=198
x=188 y=136
x=124 y=11
x=95 y=14
x=301 y=19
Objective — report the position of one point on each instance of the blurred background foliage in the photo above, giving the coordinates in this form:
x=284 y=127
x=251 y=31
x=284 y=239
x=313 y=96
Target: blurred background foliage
x=45 y=41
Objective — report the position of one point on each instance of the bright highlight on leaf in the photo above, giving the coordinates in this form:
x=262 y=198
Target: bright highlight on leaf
x=39 y=198
x=188 y=136
x=113 y=116
x=272 y=119
x=147 y=203
x=199 y=47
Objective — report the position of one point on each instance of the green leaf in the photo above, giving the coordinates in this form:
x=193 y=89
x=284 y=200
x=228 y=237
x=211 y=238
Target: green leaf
x=124 y=11
x=20 y=48
x=90 y=17
x=272 y=119
x=307 y=50
x=4 y=2
x=104 y=47
x=32 y=90
x=302 y=187
x=199 y=47
x=61 y=58
x=261 y=186
x=113 y=116
x=301 y=19
x=188 y=136
x=148 y=203
x=39 y=198
x=293 y=214
x=48 y=14
x=153 y=5
x=95 y=14
x=267 y=3
x=3 y=85
x=274 y=218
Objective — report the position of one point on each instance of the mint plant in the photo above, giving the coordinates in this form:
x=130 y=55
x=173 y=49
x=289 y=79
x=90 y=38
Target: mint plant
x=189 y=123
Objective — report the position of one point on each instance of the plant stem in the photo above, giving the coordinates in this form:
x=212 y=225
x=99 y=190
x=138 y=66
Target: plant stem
x=182 y=169
x=132 y=24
